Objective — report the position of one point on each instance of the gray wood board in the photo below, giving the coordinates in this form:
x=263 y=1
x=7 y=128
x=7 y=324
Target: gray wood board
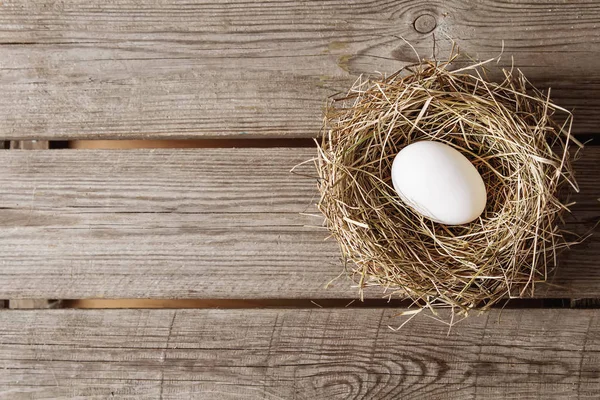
x=297 y=354
x=164 y=69
x=30 y=303
x=204 y=223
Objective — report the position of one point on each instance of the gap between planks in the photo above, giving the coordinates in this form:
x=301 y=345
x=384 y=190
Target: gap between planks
x=276 y=303
x=192 y=143
x=589 y=140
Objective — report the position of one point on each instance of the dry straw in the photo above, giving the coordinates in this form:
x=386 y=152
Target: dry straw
x=514 y=135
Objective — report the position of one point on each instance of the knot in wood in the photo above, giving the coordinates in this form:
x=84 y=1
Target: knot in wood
x=425 y=23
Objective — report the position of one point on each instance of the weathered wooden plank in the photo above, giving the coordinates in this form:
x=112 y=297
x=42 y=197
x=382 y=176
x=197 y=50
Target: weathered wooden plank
x=205 y=223
x=31 y=303
x=297 y=354
x=130 y=69
x=161 y=224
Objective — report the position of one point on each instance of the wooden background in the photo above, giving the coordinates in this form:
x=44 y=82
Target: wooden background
x=167 y=68
x=223 y=224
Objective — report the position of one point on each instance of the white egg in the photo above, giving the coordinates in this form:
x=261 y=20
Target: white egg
x=439 y=183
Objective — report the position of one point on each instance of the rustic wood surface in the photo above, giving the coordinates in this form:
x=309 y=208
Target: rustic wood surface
x=31 y=303
x=204 y=223
x=297 y=354
x=166 y=69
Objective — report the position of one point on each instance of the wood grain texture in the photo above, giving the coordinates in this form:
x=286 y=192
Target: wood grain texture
x=167 y=69
x=297 y=354
x=205 y=223
x=31 y=303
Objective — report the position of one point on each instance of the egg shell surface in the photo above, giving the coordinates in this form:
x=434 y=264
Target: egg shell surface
x=439 y=182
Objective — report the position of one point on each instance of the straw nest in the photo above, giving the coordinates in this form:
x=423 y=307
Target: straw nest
x=513 y=134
